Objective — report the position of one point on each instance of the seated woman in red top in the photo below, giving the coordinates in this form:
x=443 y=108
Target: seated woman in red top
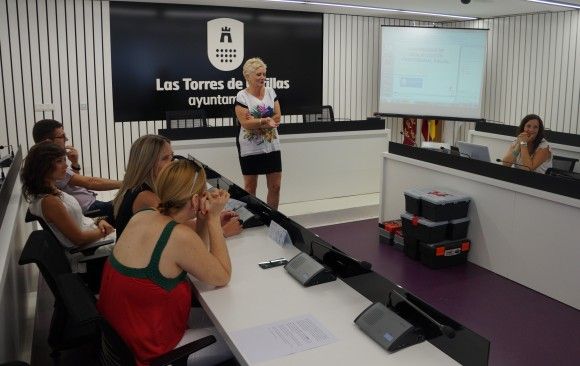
x=145 y=293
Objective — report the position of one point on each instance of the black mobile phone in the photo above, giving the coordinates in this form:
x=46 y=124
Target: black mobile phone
x=273 y=263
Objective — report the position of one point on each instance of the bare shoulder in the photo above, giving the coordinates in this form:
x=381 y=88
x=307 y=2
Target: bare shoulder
x=145 y=199
x=51 y=202
x=184 y=235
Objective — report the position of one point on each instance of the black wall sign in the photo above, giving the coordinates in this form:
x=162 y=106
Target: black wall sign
x=176 y=57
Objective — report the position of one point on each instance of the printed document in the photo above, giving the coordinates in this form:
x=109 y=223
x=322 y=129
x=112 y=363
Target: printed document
x=278 y=339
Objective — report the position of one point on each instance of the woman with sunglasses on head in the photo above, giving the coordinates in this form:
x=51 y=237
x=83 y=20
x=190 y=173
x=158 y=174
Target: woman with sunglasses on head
x=44 y=165
x=145 y=293
x=148 y=155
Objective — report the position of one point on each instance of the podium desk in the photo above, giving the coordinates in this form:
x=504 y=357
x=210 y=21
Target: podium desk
x=524 y=225
x=256 y=296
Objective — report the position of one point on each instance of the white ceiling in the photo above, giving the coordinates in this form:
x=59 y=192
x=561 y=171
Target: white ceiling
x=476 y=8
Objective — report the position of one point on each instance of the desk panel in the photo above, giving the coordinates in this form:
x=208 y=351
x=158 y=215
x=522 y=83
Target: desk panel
x=525 y=234
x=314 y=166
x=256 y=296
x=498 y=145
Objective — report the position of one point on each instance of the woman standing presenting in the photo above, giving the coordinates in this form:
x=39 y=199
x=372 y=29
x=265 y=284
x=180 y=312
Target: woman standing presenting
x=258 y=110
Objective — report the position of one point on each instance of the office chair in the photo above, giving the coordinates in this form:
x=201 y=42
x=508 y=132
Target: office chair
x=114 y=351
x=318 y=114
x=49 y=256
x=563 y=163
x=189 y=118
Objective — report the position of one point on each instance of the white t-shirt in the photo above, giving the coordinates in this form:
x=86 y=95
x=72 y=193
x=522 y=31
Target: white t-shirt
x=73 y=209
x=260 y=140
x=544 y=166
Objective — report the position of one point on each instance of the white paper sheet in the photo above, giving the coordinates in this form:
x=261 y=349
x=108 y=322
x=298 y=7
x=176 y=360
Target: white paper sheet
x=278 y=339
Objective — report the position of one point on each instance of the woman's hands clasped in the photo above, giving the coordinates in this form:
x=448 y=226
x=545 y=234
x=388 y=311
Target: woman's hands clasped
x=105 y=227
x=270 y=122
x=212 y=203
x=523 y=137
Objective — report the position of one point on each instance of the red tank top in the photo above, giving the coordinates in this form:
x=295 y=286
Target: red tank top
x=147 y=310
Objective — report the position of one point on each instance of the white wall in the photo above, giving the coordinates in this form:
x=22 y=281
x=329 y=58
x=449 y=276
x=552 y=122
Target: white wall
x=58 y=51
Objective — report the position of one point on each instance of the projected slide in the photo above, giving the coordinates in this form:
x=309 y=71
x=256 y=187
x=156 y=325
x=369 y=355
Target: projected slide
x=432 y=71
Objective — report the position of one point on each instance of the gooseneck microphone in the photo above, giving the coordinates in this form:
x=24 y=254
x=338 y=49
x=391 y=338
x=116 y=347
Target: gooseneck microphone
x=445 y=329
x=514 y=163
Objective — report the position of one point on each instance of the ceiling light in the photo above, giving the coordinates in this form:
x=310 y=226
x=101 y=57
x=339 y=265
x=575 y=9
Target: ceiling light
x=363 y=7
x=556 y=3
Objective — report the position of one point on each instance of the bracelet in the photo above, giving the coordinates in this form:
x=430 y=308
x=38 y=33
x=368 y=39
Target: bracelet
x=522 y=143
x=98 y=219
x=77 y=167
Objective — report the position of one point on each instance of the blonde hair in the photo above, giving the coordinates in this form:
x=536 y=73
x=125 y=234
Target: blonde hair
x=177 y=182
x=251 y=65
x=143 y=157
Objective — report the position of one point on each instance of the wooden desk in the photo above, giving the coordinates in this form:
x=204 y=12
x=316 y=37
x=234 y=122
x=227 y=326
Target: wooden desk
x=256 y=296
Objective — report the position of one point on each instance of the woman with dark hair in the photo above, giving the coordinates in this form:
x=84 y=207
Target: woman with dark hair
x=44 y=165
x=530 y=150
x=145 y=292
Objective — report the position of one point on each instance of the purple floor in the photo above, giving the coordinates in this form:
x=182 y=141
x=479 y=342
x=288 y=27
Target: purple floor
x=523 y=326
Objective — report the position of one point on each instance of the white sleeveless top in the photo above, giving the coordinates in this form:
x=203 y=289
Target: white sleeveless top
x=545 y=165
x=259 y=140
x=74 y=210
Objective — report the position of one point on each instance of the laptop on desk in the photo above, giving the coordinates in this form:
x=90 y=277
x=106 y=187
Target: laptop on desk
x=474 y=151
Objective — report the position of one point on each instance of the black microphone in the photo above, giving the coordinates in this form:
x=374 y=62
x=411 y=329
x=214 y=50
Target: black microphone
x=445 y=329
x=363 y=264
x=514 y=163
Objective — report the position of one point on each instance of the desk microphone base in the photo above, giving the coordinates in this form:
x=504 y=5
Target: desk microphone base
x=307 y=271
x=387 y=328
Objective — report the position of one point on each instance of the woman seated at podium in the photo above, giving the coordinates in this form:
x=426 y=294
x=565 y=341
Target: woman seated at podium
x=148 y=155
x=43 y=166
x=145 y=292
x=530 y=151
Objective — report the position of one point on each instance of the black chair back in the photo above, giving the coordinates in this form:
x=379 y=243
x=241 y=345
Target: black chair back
x=563 y=163
x=318 y=114
x=189 y=118
x=80 y=302
x=114 y=351
x=49 y=256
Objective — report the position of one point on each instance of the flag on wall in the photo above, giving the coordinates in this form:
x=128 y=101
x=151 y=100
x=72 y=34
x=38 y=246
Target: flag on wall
x=409 y=130
x=429 y=129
